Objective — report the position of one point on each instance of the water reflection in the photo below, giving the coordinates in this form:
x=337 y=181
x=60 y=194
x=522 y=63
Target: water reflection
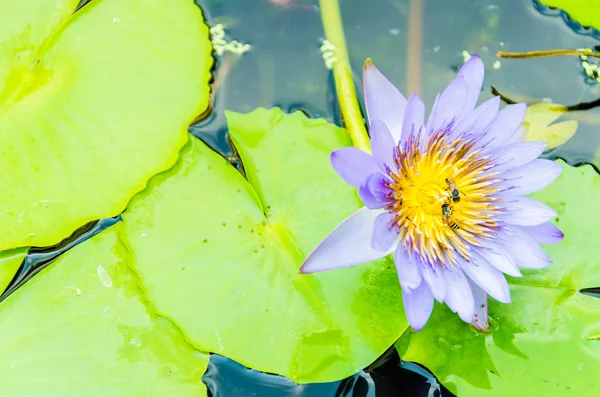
x=388 y=376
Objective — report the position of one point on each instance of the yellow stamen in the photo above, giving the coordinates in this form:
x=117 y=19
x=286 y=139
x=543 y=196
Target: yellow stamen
x=442 y=199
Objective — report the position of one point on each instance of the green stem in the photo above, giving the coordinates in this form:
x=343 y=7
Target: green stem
x=346 y=92
x=547 y=53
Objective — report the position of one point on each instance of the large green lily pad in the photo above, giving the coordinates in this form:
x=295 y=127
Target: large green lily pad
x=219 y=254
x=10 y=261
x=586 y=12
x=547 y=342
x=92 y=104
x=82 y=328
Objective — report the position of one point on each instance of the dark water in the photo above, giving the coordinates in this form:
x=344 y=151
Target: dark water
x=285 y=69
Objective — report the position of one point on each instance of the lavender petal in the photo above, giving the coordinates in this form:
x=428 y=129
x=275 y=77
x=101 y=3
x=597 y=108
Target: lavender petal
x=435 y=281
x=514 y=155
x=383 y=236
x=382 y=146
x=526 y=252
x=472 y=71
x=474 y=123
x=383 y=100
x=490 y=279
x=505 y=124
x=407 y=267
x=481 y=318
x=500 y=258
x=530 y=177
x=347 y=245
x=418 y=305
x=523 y=211
x=414 y=118
x=374 y=191
x=448 y=106
x=458 y=294
x=353 y=165
x=546 y=233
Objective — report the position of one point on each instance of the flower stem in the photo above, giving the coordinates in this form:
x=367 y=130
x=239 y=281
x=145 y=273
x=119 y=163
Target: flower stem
x=346 y=92
x=547 y=53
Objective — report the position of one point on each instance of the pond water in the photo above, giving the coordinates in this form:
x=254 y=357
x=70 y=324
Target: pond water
x=285 y=68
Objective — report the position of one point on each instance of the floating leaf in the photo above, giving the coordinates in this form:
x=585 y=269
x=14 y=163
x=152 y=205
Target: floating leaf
x=542 y=343
x=92 y=104
x=538 y=123
x=219 y=255
x=81 y=328
x=586 y=12
x=10 y=261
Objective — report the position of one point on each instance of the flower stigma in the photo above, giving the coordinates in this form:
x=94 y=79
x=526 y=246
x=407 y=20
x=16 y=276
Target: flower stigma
x=441 y=198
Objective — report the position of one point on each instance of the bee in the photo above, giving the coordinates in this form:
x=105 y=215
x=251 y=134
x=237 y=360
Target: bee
x=454 y=192
x=446 y=213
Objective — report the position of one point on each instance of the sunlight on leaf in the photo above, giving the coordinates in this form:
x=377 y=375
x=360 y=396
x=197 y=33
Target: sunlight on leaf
x=91 y=106
x=538 y=123
x=220 y=255
x=81 y=328
x=540 y=344
x=586 y=12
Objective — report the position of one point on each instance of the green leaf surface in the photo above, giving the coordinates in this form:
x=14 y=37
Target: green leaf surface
x=539 y=123
x=10 y=261
x=586 y=12
x=545 y=343
x=82 y=328
x=219 y=255
x=92 y=104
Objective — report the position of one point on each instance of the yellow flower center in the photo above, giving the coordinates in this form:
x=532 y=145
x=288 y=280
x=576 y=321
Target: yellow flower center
x=442 y=199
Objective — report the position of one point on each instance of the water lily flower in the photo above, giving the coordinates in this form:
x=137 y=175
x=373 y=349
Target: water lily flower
x=446 y=197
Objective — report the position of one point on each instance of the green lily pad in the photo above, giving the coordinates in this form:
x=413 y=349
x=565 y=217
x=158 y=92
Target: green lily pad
x=219 y=254
x=545 y=343
x=10 y=261
x=82 y=328
x=540 y=126
x=586 y=12
x=92 y=104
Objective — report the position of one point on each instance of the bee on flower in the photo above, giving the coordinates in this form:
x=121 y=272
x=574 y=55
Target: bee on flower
x=446 y=197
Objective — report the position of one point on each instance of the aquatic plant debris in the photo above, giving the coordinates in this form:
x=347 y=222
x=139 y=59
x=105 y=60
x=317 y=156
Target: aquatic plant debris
x=445 y=197
x=217 y=37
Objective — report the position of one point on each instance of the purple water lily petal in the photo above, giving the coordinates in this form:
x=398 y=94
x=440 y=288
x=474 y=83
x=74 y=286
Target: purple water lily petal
x=490 y=279
x=472 y=71
x=518 y=136
x=408 y=269
x=418 y=305
x=414 y=118
x=458 y=294
x=382 y=146
x=448 y=106
x=383 y=100
x=546 y=233
x=500 y=258
x=347 y=245
x=481 y=318
x=523 y=211
x=526 y=252
x=435 y=281
x=475 y=123
x=353 y=165
x=530 y=177
x=514 y=155
x=374 y=191
x=505 y=124
x=383 y=236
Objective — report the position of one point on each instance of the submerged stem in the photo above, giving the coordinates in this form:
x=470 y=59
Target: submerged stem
x=346 y=92
x=547 y=53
